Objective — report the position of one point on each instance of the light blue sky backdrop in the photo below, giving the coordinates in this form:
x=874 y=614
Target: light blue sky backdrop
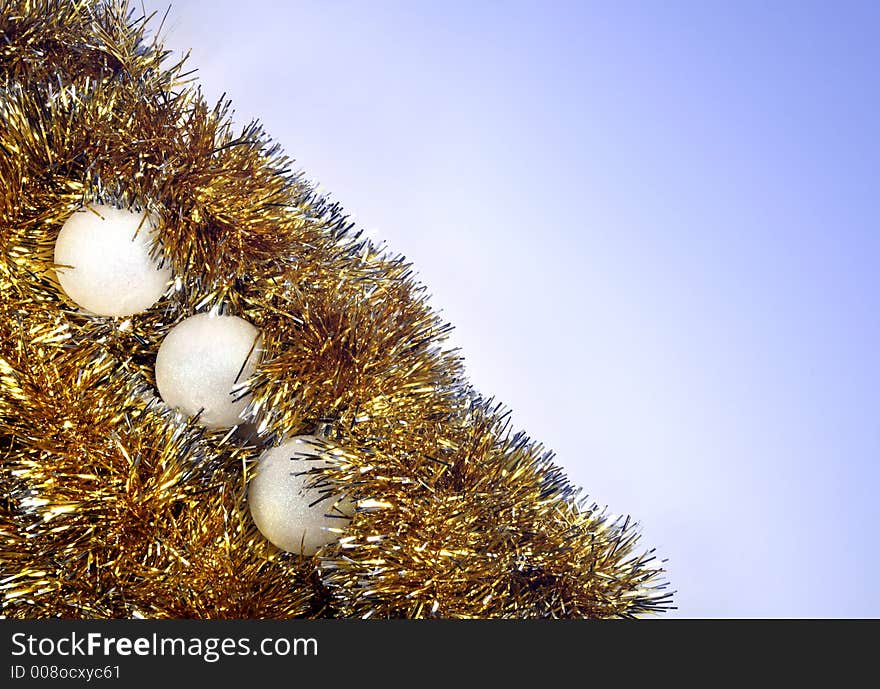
x=655 y=227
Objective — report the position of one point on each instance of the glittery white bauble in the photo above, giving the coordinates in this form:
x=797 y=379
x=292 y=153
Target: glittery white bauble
x=200 y=363
x=103 y=262
x=295 y=510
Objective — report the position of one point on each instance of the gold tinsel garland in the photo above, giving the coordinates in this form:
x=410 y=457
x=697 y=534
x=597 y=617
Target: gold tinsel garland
x=110 y=506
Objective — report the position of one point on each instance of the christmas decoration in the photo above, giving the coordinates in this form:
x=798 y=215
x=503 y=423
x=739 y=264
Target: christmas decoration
x=114 y=504
x=292 y=506
x=201 y=361
x=103 y=261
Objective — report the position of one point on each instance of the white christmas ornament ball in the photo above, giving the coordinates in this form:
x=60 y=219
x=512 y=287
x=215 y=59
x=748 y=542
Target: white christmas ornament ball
x=103 y=262
x=200 y=363
x=292 y=509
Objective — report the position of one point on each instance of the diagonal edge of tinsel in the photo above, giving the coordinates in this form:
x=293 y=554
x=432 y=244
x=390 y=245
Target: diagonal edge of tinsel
x=114 y=506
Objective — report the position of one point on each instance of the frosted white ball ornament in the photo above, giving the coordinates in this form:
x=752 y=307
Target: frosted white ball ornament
x=103 y=261
x=295 y=510
x=200 y=364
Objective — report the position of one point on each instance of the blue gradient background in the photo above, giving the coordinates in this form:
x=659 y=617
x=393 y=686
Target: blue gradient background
x=654 y=226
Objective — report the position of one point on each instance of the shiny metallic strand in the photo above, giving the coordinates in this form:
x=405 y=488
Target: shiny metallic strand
x=112 y=505
x=475 y=521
